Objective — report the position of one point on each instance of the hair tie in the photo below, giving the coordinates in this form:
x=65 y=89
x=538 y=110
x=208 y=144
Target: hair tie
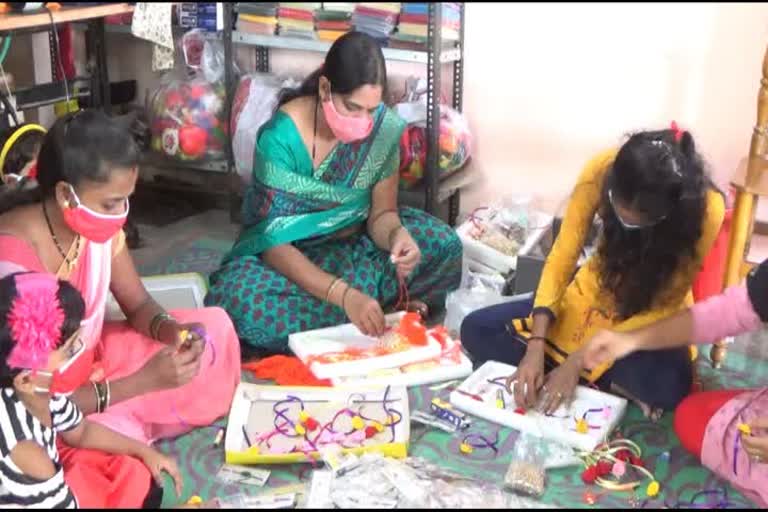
x=35 y=320
x=676 y=131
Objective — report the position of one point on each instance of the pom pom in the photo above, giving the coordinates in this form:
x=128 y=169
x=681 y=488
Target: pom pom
x=581 y=426
x=370 y=432
x=465 y=448
x=303 y=416
x=604 y=468
x=311 y=424
x=619 y=469
x=300 y=430
x=589 y=475
x=623 y=455
x=520 y=410
x=653 y=489
x=195 y=500
x=357 y=423
x=745 y=429
x=378 y=426
x=636 y=461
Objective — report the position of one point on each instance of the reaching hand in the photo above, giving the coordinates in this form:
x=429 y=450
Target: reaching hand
x=365 y=312
x=607 y=346
x=560 y=385
x=528 y=378
x=156 y=462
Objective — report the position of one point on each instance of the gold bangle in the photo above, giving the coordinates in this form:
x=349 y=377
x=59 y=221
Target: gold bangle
x=392 y=234
x=331 y=288
x=156 y=323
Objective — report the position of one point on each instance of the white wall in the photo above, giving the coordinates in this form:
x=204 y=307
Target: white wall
x=549 y=84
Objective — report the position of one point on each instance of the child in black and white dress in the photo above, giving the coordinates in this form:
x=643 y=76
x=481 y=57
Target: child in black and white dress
x=39 y=338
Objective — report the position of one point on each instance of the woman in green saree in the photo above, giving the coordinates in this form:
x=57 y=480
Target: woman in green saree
x=324 y=242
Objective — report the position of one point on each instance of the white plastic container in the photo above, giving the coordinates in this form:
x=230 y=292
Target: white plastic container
x=538 y=223
x=171 y=291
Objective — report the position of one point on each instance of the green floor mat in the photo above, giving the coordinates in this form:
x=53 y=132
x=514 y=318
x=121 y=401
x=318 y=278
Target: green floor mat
x=681 y=474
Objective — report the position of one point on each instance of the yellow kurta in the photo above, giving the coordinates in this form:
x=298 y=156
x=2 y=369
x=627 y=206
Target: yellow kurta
x=580 y=306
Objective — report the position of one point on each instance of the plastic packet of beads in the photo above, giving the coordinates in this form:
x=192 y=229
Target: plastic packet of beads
x=526 y=474
x=380 y=482
x=241 y=501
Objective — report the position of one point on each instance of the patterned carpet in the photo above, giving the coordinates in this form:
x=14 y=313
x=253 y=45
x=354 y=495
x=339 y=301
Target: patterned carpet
x=189 y=247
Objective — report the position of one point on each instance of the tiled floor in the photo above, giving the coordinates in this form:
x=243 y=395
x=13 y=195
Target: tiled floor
x=196 y=244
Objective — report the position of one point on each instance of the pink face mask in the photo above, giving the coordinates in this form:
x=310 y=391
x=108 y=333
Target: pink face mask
x=346 y=129
x=94 y=226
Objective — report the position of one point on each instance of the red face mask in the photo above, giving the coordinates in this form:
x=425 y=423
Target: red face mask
x=346 y=129
x=91 y=225
x=71 y=375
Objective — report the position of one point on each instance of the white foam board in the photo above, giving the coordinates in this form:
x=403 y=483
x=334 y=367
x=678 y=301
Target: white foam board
x=560 y=428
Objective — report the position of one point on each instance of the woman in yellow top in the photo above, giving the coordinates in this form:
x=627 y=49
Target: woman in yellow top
x=660 y=215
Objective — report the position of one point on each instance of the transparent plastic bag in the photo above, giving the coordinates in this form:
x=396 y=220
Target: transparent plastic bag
x=192 y=45
x=381 y=482
x=186 y=118
x=455 y=143
x=253 y=105
x=478 y=290
x=526 y=474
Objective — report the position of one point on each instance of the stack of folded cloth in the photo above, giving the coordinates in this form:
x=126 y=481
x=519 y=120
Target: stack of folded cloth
x=377 y=19
x=257 y=17
x=333 y=20
x=414 y=18
x=297 y=19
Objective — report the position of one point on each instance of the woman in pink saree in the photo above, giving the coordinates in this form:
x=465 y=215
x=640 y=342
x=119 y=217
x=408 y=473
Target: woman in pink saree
x=158 y=375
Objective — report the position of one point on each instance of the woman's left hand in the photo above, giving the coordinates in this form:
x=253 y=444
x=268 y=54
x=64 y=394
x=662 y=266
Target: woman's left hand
x=405 y=253
x=560 y=385
x=756 y=445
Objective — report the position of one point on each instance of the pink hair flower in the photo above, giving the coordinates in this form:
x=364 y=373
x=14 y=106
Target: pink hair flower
x=35 y=321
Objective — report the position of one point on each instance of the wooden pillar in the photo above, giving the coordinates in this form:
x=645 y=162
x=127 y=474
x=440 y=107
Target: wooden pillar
x=753 y=184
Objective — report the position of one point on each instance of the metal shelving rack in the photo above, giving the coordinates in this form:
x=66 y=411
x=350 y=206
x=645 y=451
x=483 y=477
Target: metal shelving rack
x=434 y=189
x=96 y=87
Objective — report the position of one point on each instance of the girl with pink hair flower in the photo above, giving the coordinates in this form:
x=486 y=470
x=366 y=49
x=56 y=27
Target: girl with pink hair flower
x=40 y=336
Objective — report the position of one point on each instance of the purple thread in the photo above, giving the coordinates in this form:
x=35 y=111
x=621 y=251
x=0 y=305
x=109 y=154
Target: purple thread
x=590 y=411
x=736 y=452
x=203 y=334
x=487 y=442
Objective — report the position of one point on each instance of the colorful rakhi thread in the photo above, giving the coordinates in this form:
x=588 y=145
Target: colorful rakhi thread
x=314 y=434
x=472 y=441
x=744 y=430
x=606 y=466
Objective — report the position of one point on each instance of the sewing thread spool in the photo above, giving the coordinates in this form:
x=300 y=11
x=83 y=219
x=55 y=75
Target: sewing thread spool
x=500 y=404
